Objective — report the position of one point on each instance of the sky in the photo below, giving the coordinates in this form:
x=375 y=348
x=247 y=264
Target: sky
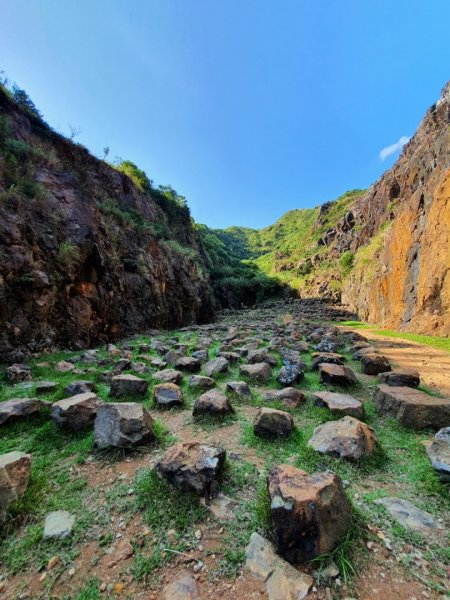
x=248 y=108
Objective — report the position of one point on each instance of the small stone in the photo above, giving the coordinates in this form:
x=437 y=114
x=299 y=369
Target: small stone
x=58 y=524
x=14 y=478
x=409 y=516
x=168 y=376
x=123 y=425
x=77 y=412
x=339 y=403
x=19 y=408
x=64 y=366
x=52 y=562
x=239 y=389
x=288 y=375
x=182 y=587
x=17 y=373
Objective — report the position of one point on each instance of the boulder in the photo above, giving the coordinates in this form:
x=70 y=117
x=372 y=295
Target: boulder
x=167 y=395
x=239 y=389
x=214 y=403
x=256 y=372
x=260 y=356
x=200 y=382
x=336 y=375
x=373 y=364
x=64 y=366
x=171 y=357
x=168 y=376
x=310 y=513
x=439 y=454
x=80 y=387
x=339 y=404
x=346 y=438
x=14 y=478
x=288 y=375
x=216 y=366
x=17 y=373
x=45 y=387
x=363 y=351
x=192 y=466
x=289 y=396
x=273 y=423
x=19 y=408
x=282 y=580
x=400 y=378
x=326 y=357
x=128 y=385
x=77 y=412
x=329 y=344
x=412 y=408
x=58 y=524
x=123 y=425
x=188 y=363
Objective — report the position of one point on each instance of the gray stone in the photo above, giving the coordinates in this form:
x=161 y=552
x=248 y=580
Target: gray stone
x=216 y=366
x=288 y=375
x=77 y=412
x=80 y=387
x=326 y=357
x=46 y=387
x=239 y=389
x=439 y=454
x=409 y=516
x=260 y=356
x=183 y=587
x=188 y=363
x=14 y=478
x=168 y=376
x=128 y=385
x=18 y=372
x=289 y=396
x=167 y=395
x=200 y=382
x=212 y=402
x=123 y=425
x=400 y=378
x=346 y=438
x=58 y=524
x=256 y=372
x=19 y=408
x=373 y=364
x=339 y=403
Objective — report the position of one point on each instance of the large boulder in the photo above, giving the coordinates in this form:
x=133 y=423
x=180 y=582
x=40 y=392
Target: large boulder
x=339 y=404
x=400 y=378
x=288 y=375
x=326 y=357
x=128 y=385
x=168 y=376
x=123 y=425
x=336 y=375
x=258 y=372
x=214 y=403
x=17 y=373
x=14 y=477
x=77 y=412
x=167 y=395
x=259 y=356
x=310 y=513
x=372 y=364
x=439 y=454
x=19 y=408
x=289 y=396
x=412 y=408
x=216 y=366
x=273 y=423
x=188 y=363
x=346 y=438
x=192 y=466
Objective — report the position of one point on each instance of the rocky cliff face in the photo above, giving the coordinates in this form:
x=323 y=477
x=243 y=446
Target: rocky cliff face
x=86 y=256
x=401 y=235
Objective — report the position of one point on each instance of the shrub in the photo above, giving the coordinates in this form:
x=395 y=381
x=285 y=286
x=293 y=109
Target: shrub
x=137 y=176
x=346 y=262
x=24 y=101
x=68 y=254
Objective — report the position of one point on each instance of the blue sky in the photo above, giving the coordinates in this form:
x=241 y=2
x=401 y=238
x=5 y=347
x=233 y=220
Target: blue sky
x=248 y=108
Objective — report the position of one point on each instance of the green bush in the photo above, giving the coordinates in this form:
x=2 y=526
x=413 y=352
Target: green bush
x=137 y=176
x=68 y=254
x=346 y=262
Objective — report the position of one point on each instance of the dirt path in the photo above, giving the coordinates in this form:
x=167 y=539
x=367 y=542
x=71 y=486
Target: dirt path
x=433 y=365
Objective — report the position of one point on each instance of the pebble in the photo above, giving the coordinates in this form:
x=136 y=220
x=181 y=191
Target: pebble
x=198 y=534
x=52 y=562
x=71 y=572
x=103 y=587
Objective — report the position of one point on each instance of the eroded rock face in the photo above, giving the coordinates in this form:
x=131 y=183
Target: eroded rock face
x=183 y=587
x=310 y=513
x=216 y=366
x=19 y=408
x=123 y=425
x=201 y=382
x=273 y=423
x=326 y=357
x=77 y=412
x=346 y=438
x=192 y=466
x=168 y=376
x=14 y=477
x=288 y=375
x=412 y=408
x=239 y=388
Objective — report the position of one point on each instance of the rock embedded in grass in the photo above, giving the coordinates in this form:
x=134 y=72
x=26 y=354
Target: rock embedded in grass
x=400 y=378
x=288 y=375
x=167 y=395
x=192 y=467
x=77 y=412
x=128 y=385
x=58 y=524
x=64 y=366
x=188 y=363
x=14 y=478
x=213 y=403
x=259 y=372
x=123 y=425
x=326 y=357
x=347 y=438
x=289 y=396
x=260 y=356
x=412 y=408
x=19 y=408
x=439 y=454
x=79 y=387
x=216 y=366
x=46 y=387
x=309 y=513
x=336 y=375
x=363 y=351
x=239 y=388
x=339 y=404
x=168 y=376
x=201 y=382
x=271 y=423
x=17 y=373
x=373 y=364
x=409 y=516
x=182 y=587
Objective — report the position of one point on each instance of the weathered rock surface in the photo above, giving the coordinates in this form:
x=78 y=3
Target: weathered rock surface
x=46 y=387
x=123 y=425
x=183 y=587
x=216 y=366
x=310 y=513
x=326 y=357
x=19 y=408
x=339 y=403
x=80 y=387
x=346 y=438
x=167 y=395
x=77 y=412
x=214 y=403
x=412 y=408
x=18 y=372
x=273 y=423
x=409 y=516
x=288 y=375
x=258 y=372
x=128 y=385
x=336 y=375
x=58 y=524
x=283 y=581
x=192 y=466
x=168 y=376
x=201 y=382
x=239 y=388
x=373 y=364
x=14 y=478
x=188 y=363
x=400 y=378
x=289 y=396
x=439 y=454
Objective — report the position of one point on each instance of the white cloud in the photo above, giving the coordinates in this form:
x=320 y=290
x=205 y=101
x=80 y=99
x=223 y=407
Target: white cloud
x=385 y=152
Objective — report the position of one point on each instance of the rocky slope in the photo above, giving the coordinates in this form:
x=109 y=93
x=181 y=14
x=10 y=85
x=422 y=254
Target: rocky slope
x=86 y=256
